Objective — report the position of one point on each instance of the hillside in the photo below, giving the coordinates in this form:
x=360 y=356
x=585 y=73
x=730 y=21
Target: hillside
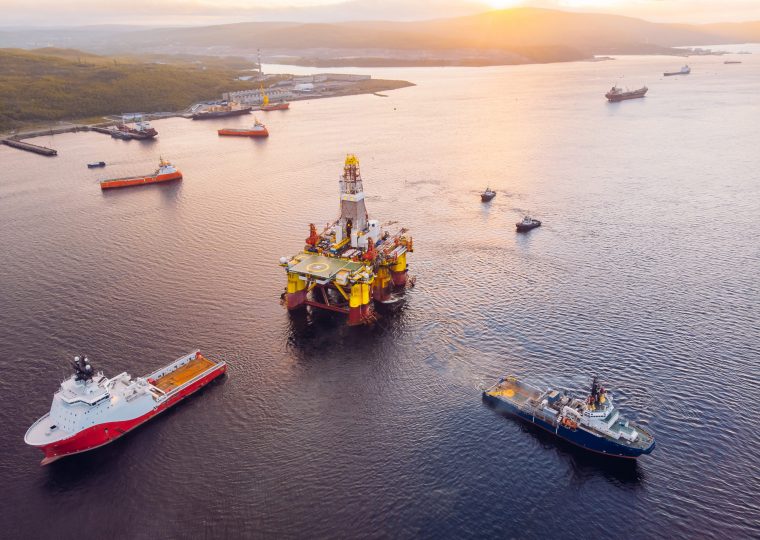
x=513 y=35
x=510 y=36
x=746 y=32
x=56 y=84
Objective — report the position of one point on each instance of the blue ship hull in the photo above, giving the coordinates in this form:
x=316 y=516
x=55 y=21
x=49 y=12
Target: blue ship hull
x=578 y=437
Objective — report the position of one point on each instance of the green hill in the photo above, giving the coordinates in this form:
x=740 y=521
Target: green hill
x=63 y=84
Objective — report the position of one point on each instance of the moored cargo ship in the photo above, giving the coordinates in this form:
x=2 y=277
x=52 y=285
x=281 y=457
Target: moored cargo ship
x=166 y=172
x=90 y=410
x=221 y=111
x=618 y=94
x=257 y=130
x=593 y=423
x=141 y=129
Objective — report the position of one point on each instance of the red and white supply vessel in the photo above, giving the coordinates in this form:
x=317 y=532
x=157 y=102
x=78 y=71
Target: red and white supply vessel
x=90 y=410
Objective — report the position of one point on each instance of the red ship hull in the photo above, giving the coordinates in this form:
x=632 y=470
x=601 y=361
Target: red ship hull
x=102 y=434
x=276 y=107
x=243 y=132
x=140 y=180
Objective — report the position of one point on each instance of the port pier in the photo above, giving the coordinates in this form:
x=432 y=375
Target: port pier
x=29 y=147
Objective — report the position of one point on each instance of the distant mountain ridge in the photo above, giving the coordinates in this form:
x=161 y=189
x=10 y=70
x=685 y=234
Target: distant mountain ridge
x=508 y=28
x=516 y=35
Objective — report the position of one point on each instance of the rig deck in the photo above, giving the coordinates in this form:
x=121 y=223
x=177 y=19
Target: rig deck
x=323 y=267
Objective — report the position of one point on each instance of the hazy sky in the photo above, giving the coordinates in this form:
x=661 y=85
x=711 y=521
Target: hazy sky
x=173 y=12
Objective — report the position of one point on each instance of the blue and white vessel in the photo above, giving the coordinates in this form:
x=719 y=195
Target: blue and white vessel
x=593 y=423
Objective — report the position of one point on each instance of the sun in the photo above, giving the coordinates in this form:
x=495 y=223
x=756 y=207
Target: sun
x=503 y=4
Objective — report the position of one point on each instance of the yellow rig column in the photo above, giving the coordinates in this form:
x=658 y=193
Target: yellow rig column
x=381 y=287
x=398 y=271
x=296 y=295
x=354 y=304
x=358 y=303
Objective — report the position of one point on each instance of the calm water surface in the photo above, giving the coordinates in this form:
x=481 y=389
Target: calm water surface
x=645 y=272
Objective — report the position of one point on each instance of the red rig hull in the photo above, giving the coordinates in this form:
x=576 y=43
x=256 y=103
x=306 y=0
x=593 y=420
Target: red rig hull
x=102 y=434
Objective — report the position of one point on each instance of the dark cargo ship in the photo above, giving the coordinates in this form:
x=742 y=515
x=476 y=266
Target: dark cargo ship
x=221 y=111
x=683 y=71
x=141 y=130
x=618 y=94
x=593 y=423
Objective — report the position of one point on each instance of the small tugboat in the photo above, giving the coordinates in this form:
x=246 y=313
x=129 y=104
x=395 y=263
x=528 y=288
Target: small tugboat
x=96 y=164
x=165 y=173
x=487 y=195
x=90 y=410
x=593 y=423
x=616 y=94
x=527 y=224
x=683 y=71
x=258 y=130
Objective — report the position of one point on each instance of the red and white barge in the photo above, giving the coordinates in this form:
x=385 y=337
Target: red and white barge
x=90 y=410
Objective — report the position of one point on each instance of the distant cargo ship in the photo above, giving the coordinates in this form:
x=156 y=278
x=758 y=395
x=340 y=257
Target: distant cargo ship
x=140 y=130
x=90 y=410
x=683 y=71
x=165 y=173
x=258 y=130
x=222 y=111
x=593 y=423
x=618 y=94
x=732 y=62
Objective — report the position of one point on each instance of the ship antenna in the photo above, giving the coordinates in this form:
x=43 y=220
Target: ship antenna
x=82 y=369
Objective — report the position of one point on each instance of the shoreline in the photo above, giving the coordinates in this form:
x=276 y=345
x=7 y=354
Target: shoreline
x=75 y=125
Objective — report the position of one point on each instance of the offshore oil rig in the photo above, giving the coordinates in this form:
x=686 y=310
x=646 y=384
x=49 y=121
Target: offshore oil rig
x=352 y=262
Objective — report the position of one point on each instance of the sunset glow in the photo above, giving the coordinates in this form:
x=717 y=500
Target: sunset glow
x=52 y=13
x=504 y=4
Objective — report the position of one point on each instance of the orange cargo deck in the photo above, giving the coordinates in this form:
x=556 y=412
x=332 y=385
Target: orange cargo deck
x=180 y=376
